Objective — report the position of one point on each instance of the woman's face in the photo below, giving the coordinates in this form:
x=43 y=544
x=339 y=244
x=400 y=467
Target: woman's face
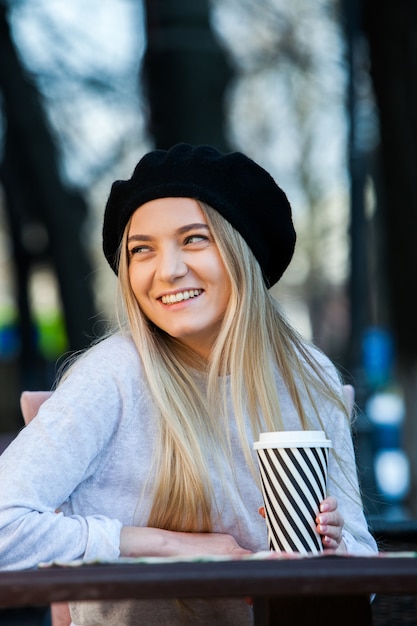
x=176 y=272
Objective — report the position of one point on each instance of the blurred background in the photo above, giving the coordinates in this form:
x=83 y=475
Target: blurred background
x=323 y=94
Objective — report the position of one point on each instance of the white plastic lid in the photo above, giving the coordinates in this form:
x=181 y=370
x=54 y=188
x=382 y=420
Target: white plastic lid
x=293 y=439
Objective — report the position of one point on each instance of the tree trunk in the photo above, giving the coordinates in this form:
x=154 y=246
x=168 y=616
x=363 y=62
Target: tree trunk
x=185 y=73
x=34 y=190
x=391 y=29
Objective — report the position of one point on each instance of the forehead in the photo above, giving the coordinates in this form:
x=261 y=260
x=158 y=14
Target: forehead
x=167 y=213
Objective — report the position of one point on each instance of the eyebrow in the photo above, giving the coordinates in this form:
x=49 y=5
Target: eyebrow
x=187 y=227
x=180 y=231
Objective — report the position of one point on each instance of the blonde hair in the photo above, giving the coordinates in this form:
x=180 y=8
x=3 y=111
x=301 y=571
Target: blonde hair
x=254 y=343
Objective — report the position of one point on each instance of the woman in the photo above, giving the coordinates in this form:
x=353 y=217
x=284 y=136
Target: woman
x=146 y=445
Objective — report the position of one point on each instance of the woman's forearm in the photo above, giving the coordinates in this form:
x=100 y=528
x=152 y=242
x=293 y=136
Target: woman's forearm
x=143 y=541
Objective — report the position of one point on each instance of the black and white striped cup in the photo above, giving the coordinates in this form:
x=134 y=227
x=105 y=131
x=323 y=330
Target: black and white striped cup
x=293 y=467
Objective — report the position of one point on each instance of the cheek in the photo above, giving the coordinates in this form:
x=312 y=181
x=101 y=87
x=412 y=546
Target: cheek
x=217 y=269
x=225 y=297
x=225 y=289
x=223 y=277
x=136 y=283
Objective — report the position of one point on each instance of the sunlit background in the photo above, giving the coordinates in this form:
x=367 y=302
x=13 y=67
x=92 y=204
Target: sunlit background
x=288 y=113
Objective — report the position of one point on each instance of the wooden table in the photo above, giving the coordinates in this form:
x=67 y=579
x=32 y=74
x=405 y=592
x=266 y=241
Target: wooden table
x=324 y=576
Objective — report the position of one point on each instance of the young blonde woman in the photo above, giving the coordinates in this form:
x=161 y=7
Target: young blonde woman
x=146 y=445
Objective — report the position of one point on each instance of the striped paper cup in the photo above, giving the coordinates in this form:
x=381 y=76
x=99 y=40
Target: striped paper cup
x=293 y=467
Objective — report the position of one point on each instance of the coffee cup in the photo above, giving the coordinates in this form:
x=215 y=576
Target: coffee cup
x=293 y=467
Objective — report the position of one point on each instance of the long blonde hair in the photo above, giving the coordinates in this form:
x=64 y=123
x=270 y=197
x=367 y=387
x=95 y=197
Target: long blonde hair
x=254 y=343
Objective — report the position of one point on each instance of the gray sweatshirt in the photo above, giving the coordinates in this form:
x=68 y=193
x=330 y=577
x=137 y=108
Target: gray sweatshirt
x=88 y=453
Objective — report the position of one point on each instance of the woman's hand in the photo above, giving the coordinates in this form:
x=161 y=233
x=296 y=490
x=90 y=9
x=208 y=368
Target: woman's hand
x=330 y=525
x=144 y=541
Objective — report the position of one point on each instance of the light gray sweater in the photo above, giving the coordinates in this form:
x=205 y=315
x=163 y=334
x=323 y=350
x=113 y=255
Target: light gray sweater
x=89 y=451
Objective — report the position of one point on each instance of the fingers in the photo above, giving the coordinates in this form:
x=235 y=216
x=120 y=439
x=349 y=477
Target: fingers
x=329 y=504
x=330 y=524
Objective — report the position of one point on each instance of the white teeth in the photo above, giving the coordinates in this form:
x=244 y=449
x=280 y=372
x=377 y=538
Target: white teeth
x=182 y=295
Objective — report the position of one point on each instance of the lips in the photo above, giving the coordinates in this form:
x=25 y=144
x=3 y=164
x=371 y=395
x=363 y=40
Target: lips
x=173 y=298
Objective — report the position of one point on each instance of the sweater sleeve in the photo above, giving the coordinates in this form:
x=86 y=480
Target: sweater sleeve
x=343 y=484
x=54 y=454
x=342 y=472
x=342 y=476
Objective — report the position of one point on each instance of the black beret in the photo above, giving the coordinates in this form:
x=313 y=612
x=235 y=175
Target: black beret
x=237 y=187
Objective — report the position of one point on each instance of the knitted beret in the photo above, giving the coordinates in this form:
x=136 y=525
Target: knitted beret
x=237 y=187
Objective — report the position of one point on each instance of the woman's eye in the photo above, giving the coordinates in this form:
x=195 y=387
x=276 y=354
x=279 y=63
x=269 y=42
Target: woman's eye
x=138 y=250
x=196 y=239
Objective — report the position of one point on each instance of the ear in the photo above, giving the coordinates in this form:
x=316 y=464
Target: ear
x=30 y=402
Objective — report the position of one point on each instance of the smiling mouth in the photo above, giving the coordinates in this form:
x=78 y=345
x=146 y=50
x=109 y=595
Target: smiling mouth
x=172 y=298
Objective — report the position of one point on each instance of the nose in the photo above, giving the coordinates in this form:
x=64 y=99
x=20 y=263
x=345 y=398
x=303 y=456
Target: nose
x=171 y=265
